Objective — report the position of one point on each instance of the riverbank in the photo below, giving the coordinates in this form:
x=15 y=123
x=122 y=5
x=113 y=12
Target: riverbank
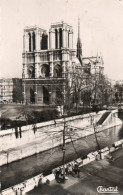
x=24 y=169
x=88 y=167
x=105 y=173
x=20 y=143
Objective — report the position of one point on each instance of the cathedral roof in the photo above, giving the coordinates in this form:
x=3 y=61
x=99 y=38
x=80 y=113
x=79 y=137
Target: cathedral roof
x=92 y=60
x=86 y=61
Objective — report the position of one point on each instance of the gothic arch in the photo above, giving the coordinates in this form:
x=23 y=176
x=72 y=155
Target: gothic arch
x=45 y=95
x=33 y=40
x=45 y=70
x=57 y=71
x=68 y=38
x=44 y=41
x=31 y=72
x=32 y=96
x=56 y=39
x=60 y=38
x=29 y=41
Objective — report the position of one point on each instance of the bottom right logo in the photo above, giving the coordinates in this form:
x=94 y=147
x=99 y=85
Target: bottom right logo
x=107 y=190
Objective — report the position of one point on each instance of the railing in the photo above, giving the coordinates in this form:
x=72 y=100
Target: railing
x=46 y=80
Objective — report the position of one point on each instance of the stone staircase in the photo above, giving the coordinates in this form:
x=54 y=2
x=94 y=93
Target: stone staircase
x=103 y=118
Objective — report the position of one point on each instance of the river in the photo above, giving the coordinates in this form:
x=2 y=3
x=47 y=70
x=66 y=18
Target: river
x=21 y=170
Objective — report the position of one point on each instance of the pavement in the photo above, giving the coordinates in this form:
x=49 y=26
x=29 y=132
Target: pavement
x=106 y=173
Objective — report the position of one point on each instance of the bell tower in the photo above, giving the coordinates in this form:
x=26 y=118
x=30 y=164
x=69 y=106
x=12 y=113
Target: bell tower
x=60 y=36
x=45 y=64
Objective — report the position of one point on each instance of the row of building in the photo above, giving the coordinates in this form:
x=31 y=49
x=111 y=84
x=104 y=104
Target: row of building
x=11 y=90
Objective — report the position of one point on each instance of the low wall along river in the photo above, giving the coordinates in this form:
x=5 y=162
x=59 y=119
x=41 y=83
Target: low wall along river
x=34 y=181
x=18 y=143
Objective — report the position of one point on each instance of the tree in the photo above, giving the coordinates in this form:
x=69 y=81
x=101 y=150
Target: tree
x=70 y=93
x=82 y=88
x=75 y=84
x=118 y=92
x=100 y=89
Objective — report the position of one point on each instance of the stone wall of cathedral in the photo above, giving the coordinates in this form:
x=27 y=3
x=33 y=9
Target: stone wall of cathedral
x=46 y=58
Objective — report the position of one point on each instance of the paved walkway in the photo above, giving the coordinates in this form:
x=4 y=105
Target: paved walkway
x=106 y=173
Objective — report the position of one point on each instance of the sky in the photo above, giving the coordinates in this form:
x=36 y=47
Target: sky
x=101 y=29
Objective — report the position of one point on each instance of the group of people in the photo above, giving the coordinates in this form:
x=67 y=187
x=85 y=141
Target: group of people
x=69 y=169
x=60 y=173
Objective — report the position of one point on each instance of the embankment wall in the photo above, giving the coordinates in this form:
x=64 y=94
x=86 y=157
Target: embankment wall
x=19 y=143
x=15 y=137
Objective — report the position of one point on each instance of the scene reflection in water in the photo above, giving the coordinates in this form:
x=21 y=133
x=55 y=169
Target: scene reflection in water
x=19 y=171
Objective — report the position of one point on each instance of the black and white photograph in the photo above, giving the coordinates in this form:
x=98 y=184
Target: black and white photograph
x=61 y=97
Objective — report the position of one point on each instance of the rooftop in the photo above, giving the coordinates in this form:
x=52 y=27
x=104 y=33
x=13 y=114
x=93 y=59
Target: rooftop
x=60 y=24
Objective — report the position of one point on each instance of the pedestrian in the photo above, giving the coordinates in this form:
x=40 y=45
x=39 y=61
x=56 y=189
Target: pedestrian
x=22 y=190
x=57 y=173
x=66 y=170
x=36 y=180
x=40 y=180
x=78 y=171
x=62 y=171
x=73 y=165
x=69 y=169
x=75 y=168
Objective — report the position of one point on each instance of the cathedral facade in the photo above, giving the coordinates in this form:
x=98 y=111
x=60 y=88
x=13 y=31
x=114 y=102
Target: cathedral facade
x=45 y=60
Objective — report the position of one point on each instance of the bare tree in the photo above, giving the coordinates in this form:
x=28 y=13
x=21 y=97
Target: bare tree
x=100 y=88
x=82 y=88
x=70 y=93
x=118 y=92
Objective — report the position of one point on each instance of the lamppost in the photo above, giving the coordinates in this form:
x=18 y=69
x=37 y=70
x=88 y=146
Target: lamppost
x=63 y=149
x=94 y=125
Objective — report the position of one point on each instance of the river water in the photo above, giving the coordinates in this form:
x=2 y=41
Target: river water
x=21 y=170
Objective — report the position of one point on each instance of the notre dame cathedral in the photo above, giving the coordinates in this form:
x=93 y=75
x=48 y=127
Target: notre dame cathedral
x=46 y=60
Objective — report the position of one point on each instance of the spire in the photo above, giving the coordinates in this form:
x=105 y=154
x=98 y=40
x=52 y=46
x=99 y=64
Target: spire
x=79 y=44
x=97 y=58
x=78 y=27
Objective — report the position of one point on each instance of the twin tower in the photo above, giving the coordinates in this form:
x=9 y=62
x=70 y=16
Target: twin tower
x=60 y=36
x=45 y=61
